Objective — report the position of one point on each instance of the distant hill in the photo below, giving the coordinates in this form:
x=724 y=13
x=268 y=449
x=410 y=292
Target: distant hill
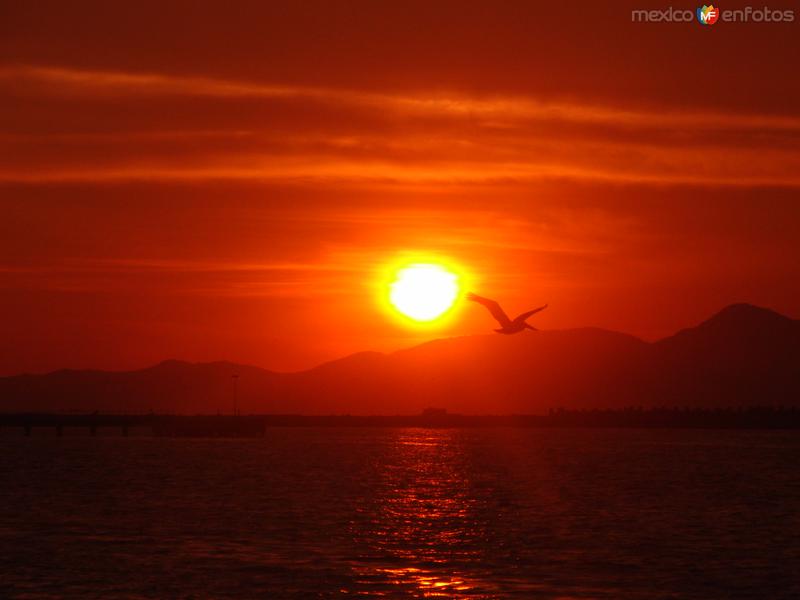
x=744 y=355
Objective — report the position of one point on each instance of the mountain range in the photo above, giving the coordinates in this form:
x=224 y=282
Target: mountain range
x=743 y=355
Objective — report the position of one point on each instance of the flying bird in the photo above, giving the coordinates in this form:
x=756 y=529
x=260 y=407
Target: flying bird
x=507 y=325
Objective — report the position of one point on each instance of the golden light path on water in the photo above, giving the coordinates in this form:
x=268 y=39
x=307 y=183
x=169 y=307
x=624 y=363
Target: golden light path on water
x=423 y=521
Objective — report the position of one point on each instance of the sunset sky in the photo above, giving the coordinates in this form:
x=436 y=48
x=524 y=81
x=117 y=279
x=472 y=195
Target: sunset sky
x=233 y=181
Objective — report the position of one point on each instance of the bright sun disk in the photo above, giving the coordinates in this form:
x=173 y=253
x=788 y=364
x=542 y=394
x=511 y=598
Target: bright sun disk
x=423 y=291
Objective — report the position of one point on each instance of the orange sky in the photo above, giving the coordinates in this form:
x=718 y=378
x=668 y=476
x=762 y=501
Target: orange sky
x=227 y=182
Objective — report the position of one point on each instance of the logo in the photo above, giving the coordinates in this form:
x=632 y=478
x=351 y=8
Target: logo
x=710 y=14
x=707 y=15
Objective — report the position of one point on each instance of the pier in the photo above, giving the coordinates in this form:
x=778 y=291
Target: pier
x=232 y=426
x=148 y=424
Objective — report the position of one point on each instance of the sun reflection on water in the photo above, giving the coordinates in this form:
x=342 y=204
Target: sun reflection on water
x=421 y=524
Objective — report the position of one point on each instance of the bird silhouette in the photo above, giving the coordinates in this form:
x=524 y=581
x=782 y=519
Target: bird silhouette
x=508 y=326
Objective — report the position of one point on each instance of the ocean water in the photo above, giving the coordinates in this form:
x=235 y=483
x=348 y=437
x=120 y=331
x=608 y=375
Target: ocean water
x=450 y=513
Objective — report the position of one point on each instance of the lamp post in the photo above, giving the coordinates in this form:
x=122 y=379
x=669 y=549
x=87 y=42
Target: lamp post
x=235 y=394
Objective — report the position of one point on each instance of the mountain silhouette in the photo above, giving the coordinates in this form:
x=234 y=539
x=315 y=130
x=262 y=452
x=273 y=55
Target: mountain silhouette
x=743 y=355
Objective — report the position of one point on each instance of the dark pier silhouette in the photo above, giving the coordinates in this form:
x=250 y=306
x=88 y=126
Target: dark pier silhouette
x=255 y=425
x=157 y=425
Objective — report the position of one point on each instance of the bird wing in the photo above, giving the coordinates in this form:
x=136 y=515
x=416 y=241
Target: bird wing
x=493 y=307
x=525 y=315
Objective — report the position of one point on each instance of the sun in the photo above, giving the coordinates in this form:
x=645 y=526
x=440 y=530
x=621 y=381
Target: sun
x=423 y=291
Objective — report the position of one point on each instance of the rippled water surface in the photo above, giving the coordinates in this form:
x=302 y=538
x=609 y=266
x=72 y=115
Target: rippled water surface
x=451 y=513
